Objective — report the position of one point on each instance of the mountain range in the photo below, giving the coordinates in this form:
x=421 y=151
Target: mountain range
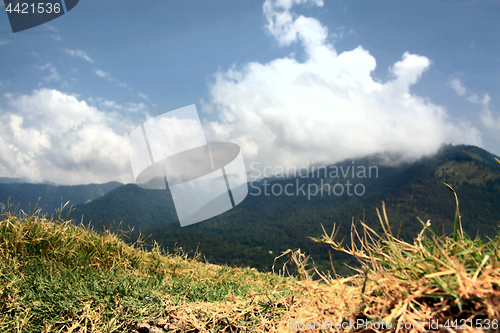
x=270 y=221
x=47 y=197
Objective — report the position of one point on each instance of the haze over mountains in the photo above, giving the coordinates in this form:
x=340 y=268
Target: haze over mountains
x=281 y=213
x=24 y=196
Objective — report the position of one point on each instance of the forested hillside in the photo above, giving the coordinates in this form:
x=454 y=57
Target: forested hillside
x=262 y=226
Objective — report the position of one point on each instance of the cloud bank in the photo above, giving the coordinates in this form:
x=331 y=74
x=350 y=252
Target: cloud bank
x=51 y=136
x=327 y=108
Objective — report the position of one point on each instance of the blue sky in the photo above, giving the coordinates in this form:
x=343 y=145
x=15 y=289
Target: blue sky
x=290 y=81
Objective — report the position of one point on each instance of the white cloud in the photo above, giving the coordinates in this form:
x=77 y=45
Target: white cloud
x=456 y=84
x=108 y=104
x=54 y=35
x=473 y=98
x=3 y=42
x=80 y=54
x=54 y=75
x=51 y=28
x=287 y=30
x=486 y=116
x=52 y=136
x=327 y=108
x=36 y=55
x=103 y=75
x=144 y=96
x=107 y=76
x=489 y=120
x=136 y=107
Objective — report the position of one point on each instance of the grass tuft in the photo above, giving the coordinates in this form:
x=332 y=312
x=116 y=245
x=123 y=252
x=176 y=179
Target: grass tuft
x=448 y=282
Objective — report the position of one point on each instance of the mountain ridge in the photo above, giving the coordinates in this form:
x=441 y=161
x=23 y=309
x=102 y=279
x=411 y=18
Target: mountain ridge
x=24 y=196
x=261 y=227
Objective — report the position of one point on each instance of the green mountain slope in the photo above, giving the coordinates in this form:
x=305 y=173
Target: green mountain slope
x=131 y=206
x=263 y=226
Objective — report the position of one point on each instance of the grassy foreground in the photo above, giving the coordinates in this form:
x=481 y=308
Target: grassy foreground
x=57 y=277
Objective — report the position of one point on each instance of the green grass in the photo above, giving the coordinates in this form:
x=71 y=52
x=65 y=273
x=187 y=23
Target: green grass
x=58 y=277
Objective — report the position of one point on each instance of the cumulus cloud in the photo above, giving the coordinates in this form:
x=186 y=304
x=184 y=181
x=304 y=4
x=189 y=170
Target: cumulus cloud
x=328 y=107
x=80 y=54
x=286 y=29
x=52 y=136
